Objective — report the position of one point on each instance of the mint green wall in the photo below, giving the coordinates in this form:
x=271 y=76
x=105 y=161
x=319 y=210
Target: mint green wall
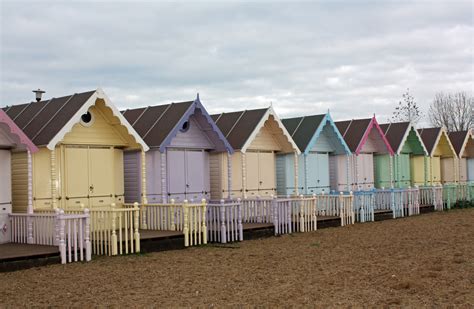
x=382 y=171
x=401 y=171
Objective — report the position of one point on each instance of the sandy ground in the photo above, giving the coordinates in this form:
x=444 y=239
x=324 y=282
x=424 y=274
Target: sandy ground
x=426 y=260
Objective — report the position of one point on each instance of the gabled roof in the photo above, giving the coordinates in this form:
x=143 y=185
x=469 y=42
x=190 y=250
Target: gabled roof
x=240 y=128
x=459 y=140
x=397 y=134
x=157 y=125
x=15 y=133
x=306 y=130
x=47 y=122
x=356 y=132
x=431 y=138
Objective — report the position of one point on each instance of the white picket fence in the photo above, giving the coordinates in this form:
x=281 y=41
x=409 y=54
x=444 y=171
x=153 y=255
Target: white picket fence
x=364 y=206
x=224 y=222
x=402 y=202
x=71 y=233
x=113 y=229
x=336 y=205
x=185 y=217
x=432 y=195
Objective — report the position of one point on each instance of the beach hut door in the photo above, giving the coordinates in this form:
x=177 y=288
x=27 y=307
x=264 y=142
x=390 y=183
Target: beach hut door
x=89 y=176
x=176 y=174
x=5 y=180
x=266 y=171
x=470 y=169
x=195 y=163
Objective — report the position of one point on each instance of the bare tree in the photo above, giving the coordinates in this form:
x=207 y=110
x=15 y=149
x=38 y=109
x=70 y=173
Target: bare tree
x=454 y=111
x=407 y=109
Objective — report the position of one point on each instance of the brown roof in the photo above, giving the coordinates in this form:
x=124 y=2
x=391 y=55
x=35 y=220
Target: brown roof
x=457 y=139
x=394 y=132
x=429 y=137
x=156 y=122
x=353 y=131
x=302 y=129
x=238 y=126
x=41 y=121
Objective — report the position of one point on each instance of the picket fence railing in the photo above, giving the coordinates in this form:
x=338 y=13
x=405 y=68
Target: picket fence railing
x=455 y=192
x=113 y=229
x=70 y=232
x=432 y=195
x=364 y=206
x=224 y=221
x=339 y=205
x=402 y=202
x=185 y=217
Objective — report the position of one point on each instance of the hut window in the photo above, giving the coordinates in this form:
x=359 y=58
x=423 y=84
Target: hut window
x=87 y=119
x=185 y=127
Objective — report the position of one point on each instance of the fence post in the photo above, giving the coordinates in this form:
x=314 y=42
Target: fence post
x=275 y=215
x=57 y=228
x=114 y=233
x=185 y=223
x=351 y=203
x=223 y=223
x=136 y=211
x=172 y=215
x=341 y=209
x=301 y=213
x=62 y=241
x=144 y=217
x=86 y=229
x=29 y=230
x=204 y=227
x=239 y=220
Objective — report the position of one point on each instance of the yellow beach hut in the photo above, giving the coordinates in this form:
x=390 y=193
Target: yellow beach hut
x=440 y=164
x=81 y=140
x=256 y=137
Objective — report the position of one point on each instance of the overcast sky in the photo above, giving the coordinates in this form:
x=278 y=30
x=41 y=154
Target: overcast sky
x=355 y=58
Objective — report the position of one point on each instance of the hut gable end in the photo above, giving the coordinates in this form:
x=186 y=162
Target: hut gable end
x=194 y=137
x=102 y=131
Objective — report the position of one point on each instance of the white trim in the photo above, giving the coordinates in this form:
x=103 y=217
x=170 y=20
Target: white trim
x=260 y=125
x=405 y=136
x=441 y=132
x=469 y=135
x=98 y=94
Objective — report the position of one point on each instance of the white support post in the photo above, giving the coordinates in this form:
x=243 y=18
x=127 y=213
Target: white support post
x=143 y=175
x=136 y=216
x=223 y=223
x=87 y=229
x=164 y=191
x=229 y=175
x=62 y=236
x=204 y=226
x=296 y=173
x=53 y=179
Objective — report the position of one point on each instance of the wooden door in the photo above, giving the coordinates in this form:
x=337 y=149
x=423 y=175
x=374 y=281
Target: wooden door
x=470 y=169
x=76 y=173
x=5 y=178
x=266 y=173
x=195 y=165
x=368 y=172
x=176 y=174
x=447 y=170
x=313 y=173
x=323 y=172
x=436 y=170
x=101 y=176
x=404 y=170
x=252 y=169
x=462 y=170
x=417 y=170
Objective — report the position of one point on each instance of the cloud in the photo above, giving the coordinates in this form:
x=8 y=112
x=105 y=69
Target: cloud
x=355 y=59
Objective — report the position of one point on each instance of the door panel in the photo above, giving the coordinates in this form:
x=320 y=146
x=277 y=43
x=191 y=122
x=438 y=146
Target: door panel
x=101 y=178
x=368 y=171
x=470 y=169
x=313 y=171
x=323 y=172
x=76 y=170
x=176 y=174
x=405 y=175
x=436 y=170
x=418 y=170
x=447 y=170
x=252 y=168
x=194 y=175
x=5 y=177
x=462 y=170
x=266 y=173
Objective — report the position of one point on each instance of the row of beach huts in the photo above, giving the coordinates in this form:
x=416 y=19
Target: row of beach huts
x=82 y=176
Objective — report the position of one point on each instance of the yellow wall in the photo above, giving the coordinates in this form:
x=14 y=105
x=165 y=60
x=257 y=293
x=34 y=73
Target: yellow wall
x=19 y=182
x=418 y=170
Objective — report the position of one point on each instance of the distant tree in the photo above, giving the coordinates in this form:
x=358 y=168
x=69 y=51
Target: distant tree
x=454 y=111
x=407 y=109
